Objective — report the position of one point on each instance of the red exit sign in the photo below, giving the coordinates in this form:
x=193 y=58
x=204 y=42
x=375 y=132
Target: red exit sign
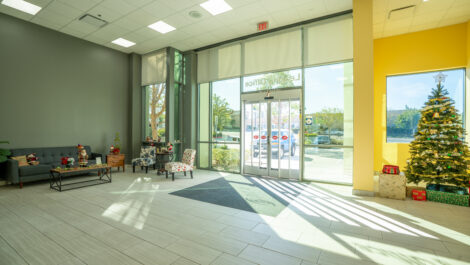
x=262 y=26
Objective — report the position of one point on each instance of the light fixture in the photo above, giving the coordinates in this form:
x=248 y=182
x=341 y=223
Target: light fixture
x=216 y=7
x=161 y=27
x=123 y=42
x=22 y=6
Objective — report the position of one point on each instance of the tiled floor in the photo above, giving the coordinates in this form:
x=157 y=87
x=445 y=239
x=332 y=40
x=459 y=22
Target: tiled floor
x=135 y=221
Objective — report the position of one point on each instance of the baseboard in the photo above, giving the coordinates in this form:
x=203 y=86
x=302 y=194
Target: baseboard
x=365 y=193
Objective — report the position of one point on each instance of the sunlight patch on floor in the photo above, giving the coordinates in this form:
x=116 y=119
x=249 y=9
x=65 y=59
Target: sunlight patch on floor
x=133 y=207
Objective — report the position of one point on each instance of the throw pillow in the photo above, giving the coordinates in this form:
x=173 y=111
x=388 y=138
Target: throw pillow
x=32 y=159
x=21 y=160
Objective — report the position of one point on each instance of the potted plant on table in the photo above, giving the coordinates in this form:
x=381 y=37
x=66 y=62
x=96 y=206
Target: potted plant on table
x=116 y=147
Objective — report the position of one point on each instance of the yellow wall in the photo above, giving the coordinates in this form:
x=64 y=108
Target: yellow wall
x=428 y=50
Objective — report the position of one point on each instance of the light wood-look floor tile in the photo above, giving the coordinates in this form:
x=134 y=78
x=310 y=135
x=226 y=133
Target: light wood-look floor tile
x=135 y=220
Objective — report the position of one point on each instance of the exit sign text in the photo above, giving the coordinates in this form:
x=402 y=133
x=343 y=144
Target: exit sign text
x=262 y=26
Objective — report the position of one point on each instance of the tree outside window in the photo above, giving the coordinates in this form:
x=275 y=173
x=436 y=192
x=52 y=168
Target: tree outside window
x=156 y=106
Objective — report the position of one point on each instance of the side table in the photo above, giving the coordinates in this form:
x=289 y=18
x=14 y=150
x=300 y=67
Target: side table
x=160 y=157
x=116 y=161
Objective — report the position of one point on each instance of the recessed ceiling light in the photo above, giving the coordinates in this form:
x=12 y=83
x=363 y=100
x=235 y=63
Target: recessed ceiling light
x=123 y=42
x=216 y=7
x=161 y=27
x=22 y=6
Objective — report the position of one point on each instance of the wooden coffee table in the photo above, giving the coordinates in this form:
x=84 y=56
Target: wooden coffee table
x=103 y=171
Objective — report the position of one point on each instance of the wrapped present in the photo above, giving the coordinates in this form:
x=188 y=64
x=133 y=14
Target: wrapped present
x=448 y=197
x=419 y=195
x=390 y=169
x=392 y=186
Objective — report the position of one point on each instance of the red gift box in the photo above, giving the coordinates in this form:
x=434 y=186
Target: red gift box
x=389 y=169
x=419 y=195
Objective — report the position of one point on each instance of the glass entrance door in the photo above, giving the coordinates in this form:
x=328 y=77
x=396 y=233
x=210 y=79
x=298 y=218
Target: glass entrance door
x=271 y=140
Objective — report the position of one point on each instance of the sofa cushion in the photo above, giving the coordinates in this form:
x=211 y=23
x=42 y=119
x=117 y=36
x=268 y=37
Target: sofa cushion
x=35 y=170
x=22 y=161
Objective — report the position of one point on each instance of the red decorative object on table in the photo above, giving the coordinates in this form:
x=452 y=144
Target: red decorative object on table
x=419 y=195
x=390 y=169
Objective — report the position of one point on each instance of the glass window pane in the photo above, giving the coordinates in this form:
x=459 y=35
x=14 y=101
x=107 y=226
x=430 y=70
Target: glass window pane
x=406 y=95
x=226 y=157
x=249 y=129
x=291 y=78
x=203 y=154
x=204 y=112
x=156 y=110
x=226 y=110
x=328 y=164
x=329 y=104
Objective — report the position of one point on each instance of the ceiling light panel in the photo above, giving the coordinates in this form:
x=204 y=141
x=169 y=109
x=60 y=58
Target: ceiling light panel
x=22 y=6
x=216 y=7
x=161 y=27
x=123 y=42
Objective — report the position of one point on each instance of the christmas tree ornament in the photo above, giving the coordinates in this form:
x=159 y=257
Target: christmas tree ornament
x=435 y=115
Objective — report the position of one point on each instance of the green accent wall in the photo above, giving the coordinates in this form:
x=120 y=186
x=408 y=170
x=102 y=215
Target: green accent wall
x=58 y=90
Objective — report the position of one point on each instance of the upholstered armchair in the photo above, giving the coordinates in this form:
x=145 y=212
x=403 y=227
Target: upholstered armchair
x=185 y=165
x=146 y=159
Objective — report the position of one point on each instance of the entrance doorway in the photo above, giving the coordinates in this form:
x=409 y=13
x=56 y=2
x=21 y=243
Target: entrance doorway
x=272 y=134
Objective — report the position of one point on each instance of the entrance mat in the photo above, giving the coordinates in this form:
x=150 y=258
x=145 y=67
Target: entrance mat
x=251 y=194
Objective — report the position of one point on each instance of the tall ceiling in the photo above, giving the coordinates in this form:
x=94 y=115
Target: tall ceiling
x=129 y=19
x=424 y=15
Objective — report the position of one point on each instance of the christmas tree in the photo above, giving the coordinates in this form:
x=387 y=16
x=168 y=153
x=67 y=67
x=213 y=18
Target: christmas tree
x=438 y=152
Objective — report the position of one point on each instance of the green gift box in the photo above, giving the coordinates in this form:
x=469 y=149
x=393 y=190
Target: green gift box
x=447 y=197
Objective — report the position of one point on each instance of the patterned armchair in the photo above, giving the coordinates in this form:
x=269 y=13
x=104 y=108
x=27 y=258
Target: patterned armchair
x=186 y=165
x=146 y=159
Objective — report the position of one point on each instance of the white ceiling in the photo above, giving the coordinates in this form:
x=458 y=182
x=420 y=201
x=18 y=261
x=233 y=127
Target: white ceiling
x=129 y=19
x=426 y=15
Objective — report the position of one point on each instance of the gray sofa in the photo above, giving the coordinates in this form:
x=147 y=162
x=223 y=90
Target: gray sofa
x=49 y=157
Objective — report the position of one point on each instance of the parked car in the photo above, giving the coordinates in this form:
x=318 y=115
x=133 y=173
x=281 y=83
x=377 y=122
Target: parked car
x=276 y=142
x=322 y=139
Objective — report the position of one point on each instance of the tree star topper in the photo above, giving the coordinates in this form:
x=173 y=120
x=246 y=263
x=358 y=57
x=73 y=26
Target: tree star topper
x=439 y=78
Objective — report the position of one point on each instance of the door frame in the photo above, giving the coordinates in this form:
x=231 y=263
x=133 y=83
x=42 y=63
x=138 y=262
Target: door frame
x=258 y=96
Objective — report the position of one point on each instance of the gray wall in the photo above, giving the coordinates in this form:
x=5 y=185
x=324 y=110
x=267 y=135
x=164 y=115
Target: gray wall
x=57 y=90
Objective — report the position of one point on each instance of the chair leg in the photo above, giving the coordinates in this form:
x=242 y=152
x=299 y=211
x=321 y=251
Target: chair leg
x=185 y=173
x=141 y=167
x=173 y=176
x=191 y=172
x=146 y=169
x=153 y=166
x=133 y=168
x=166 y=174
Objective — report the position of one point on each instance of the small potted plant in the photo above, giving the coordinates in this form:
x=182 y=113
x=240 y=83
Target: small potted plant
x=116 y=147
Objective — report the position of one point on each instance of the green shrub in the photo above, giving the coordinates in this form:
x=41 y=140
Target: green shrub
x=225 y=159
